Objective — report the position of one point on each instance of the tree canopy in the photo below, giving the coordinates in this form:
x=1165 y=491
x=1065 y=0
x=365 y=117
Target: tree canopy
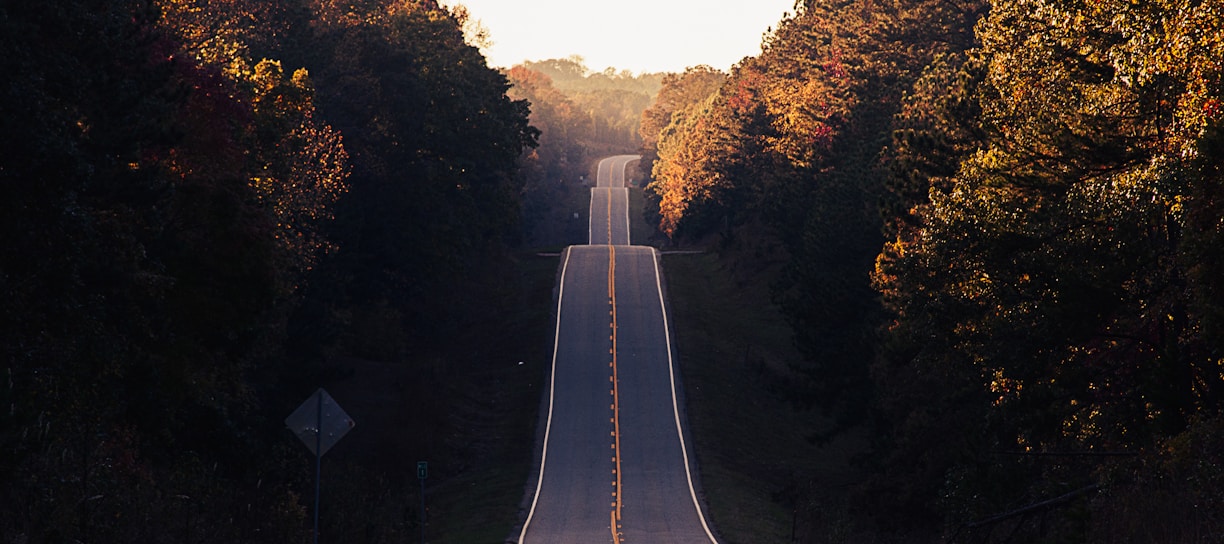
x=992 y=223
x=204 y=202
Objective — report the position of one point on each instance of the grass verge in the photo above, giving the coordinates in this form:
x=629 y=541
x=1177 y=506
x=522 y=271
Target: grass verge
x=470 y=412
x=641 y=233
x=760 y=473
x=496 y=417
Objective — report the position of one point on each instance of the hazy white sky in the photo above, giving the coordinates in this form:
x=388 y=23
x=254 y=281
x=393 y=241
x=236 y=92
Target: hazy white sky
x=635 y=35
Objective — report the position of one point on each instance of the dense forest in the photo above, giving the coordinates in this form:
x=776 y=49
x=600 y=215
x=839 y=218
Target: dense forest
x=205 y=205
x=995 y=230
x=994 y=227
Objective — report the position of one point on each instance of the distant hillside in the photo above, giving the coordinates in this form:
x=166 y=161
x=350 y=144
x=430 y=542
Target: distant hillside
x=571 y=75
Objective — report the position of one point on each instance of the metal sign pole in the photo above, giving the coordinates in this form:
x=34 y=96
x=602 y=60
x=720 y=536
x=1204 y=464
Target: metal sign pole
x=303 y=422
x=422 y=511
x=318 y=461
x=422 y=473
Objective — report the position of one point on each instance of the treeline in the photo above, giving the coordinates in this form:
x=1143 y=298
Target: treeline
x=203 y=204
x=582 y=116
x=995 y=229
x=611 y=101
x=599 y=111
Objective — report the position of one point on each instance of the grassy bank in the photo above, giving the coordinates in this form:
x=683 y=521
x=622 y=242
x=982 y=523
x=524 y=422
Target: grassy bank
x=496 y=416
x=470 y=413
x=759 y=471
x=641 y=233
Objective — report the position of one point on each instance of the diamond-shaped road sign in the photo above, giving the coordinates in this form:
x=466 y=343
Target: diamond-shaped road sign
x=319 y=422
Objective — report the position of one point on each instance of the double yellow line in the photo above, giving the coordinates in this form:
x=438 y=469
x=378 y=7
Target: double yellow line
x=616 y=456
x=609 y=214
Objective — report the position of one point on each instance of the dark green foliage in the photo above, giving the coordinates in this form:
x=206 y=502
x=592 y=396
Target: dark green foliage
x=165 y=236
x=134 y=301
x=435 y=141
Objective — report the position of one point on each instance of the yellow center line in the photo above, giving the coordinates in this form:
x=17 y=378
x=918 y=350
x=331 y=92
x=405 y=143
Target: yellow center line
x=615 y=536
x=609 y=216
x=616 y=514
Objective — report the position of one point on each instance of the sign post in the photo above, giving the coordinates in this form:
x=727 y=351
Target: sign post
x=319 y=423
x=422 y=473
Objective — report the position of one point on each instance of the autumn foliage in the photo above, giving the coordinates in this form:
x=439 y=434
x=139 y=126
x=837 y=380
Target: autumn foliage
x=1000 y=235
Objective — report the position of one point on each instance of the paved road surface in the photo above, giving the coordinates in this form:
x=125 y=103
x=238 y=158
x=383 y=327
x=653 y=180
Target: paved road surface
x=611 y=171
x=615 y=465
x=610 y=202
x=609 y=216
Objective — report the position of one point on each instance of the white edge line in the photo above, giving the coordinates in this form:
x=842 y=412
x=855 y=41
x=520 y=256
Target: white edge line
x=591 y=219
x=624 y=164
x=599 y=171
x=675 y=405
x=628 y=234
x=552 y=380
x=591 y=206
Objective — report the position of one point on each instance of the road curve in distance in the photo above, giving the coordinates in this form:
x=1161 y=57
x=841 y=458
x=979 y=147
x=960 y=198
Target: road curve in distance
x=611 y=171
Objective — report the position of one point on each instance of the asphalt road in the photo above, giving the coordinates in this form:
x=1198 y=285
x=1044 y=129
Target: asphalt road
x=609 y=212
x=615 y=464
x=611 y=171
x=609 y=216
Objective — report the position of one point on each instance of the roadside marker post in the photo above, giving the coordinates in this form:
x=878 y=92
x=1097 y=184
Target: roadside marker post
x=422 y=474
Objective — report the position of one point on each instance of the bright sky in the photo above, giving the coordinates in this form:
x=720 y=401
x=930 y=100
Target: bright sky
x=635 y=35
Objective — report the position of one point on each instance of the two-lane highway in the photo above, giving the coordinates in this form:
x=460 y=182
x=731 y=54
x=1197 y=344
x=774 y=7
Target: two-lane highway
x=609 y=213
x=611 y=171
x=609 y=216
x=614 y=466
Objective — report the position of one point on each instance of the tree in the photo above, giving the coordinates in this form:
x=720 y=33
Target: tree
x=562 y=125
x=611 y=101
x=174 y=207
x=677 y=92
x=1040 y=274
x=686 y=176
x=434 y=143
x=141 y=284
